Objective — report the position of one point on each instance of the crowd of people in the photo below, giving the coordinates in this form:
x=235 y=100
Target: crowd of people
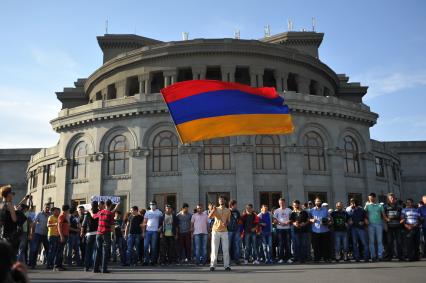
x=290 y=233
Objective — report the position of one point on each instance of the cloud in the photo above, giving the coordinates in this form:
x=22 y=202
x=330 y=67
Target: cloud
x=382 y=82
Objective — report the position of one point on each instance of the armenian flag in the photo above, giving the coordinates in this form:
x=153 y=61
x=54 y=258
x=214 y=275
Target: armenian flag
x=206 y=109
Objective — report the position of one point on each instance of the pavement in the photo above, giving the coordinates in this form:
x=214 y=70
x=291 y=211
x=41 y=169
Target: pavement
x=388 y=272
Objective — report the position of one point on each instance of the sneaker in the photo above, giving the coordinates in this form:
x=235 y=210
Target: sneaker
x=245 y=262
x=281 y=261
x=228 y=269
x=256 y=262
x=211 y=268
x=60 y=268
x=289 y=260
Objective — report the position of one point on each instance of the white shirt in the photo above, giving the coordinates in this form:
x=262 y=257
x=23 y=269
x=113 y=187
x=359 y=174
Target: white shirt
x=153 y=219
x=282 y=215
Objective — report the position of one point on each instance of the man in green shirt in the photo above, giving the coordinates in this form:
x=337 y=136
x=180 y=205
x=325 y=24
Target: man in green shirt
x=375 y=216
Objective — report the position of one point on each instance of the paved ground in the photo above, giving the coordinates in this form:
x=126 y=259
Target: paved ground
x=388 y=272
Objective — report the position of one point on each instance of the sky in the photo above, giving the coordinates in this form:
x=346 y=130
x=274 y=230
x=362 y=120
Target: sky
x=47 y=45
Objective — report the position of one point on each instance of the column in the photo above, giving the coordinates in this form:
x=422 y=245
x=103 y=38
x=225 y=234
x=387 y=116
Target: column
x=188 y=164
x=256 y=76
x=368 y=166
x=121 y=88
x=228 y=73
x=199 y=72
x=243 y=156
x=147 y=79
x=166 y=81
x=337 y=168
x=141 y=84
x=62 y=166
x=169 y=77
x=294 y=158
x=139 y=190
x=303 y=84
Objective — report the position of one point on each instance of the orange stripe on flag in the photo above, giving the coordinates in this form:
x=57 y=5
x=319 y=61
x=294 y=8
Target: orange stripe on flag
x=235 y=125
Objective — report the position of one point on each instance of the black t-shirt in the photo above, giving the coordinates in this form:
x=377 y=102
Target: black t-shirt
x=249 y=222
x=135 y=222
x=8 y=226
x=74 y=221
x=340 y=218
x=233 y=223
x=301 y=217
x=393 y=212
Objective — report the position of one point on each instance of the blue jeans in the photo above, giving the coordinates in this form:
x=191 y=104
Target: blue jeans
x=120 y=244
x=133 y=241
x=234 y=245
x=267 y=245
x=250 y=246
x=22 y=250
x=53 y=248
x=74 y=244
x=359 y=235
x=90 y=254
x=300 y=241
x=59 y=256
x=200 y=248
x=150 y=246
x=35 y=246
x=284 y=252
x=340 y=239
x=375 y=233
x=103 y=247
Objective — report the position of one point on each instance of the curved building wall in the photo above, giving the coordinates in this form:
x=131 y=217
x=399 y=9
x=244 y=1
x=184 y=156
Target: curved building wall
x=121 y=141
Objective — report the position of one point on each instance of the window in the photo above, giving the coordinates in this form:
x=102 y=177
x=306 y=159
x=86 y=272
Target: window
x=291 y=82
x=98 y=95
x=184 y=74
x=163 y=199
x=217 y=154
x=50 y=174
x=313 y=152
x=395 y=172
x=351 y=155
x=268 y=156
x=111 y=92
x=380 y=167
x=157 y=82
x=118 y=156
x=165 y=152
x=214 y=73
x=313 y=195
x=79 y=161
x=242 y=75
x=269 y=78
x=77 y=202
x=214 y=198
x=312 y=87
x=270 y=199
x=132 y=86
x=356 y=196
x=34 y=178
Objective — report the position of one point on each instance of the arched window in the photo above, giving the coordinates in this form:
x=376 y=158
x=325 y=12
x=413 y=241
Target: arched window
x=118 y=156
x=165 y=152
x=268 y=154
x=79 y=164
x=351 y=155
x=217 y=154
x=314 y=152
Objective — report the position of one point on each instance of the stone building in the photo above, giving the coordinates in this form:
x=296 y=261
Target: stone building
x=117 y=138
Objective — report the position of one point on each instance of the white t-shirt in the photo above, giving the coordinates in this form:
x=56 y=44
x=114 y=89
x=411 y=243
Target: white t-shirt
x=282 y=215
x=153 y=219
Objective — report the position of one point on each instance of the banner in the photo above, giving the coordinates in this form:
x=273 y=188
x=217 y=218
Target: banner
x=113 y=199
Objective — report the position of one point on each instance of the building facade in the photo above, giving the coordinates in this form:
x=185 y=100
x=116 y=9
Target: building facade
x=117 y=138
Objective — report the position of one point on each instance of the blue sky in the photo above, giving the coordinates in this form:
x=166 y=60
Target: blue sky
x=46 y=45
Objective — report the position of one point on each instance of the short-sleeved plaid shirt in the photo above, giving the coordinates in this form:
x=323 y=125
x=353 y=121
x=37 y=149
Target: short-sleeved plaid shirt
x=106 y=221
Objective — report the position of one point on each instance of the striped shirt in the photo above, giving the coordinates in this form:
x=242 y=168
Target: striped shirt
x=410 y=215
x=106 y=221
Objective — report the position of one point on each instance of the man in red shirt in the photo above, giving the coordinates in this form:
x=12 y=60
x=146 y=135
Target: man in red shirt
x=64 y=231
x=103 y=236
